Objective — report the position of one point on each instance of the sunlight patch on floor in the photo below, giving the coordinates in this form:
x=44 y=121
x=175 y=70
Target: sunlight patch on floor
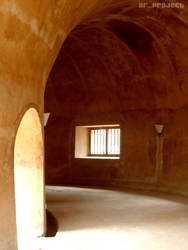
x=99 y=219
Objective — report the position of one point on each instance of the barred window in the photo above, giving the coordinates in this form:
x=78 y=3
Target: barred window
x=104 y=141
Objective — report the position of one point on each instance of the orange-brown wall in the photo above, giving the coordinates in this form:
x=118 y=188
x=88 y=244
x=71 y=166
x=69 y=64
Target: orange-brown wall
x=31 y=35
x=137 y=164
x=129 y=72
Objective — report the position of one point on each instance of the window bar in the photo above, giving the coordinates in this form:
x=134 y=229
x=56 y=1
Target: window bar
x=102 y=139
x=116 y=141
x=99 y=141
x=95 y=141
x=105 y=141
x=108 y=140
x=119 y=141
x=112 y=146
x=117 y=149
x=113 y=141
x=92 y=141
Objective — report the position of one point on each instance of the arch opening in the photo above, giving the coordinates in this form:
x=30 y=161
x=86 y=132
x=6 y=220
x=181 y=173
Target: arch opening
x=29 y=177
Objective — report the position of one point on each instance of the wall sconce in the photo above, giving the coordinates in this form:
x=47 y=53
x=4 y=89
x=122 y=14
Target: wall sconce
x=46 y=117
x=159 y=128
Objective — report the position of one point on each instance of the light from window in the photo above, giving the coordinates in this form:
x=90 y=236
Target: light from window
x=105 y=141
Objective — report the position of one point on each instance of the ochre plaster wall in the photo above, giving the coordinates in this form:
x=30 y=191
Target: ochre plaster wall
x=137 y=165
x=31 y=35
x=130 y=70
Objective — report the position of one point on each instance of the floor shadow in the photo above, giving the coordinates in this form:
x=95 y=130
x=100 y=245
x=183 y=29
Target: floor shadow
x=52 y=224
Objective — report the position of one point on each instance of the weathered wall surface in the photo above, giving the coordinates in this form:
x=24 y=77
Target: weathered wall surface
x=137 y=166
x=128 y=68
x=31 y=35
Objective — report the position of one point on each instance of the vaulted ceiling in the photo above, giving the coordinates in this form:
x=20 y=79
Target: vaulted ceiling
x=125 y=58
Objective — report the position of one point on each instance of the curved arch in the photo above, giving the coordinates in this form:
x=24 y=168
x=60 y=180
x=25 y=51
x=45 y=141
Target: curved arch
x=29 y=177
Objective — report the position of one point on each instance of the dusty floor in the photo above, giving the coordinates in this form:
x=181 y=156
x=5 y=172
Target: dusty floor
x=100 y=219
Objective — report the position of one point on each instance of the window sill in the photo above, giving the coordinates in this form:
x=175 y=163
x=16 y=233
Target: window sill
x=100 y=157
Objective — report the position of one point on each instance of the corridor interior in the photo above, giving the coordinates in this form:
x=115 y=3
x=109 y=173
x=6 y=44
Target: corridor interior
x=119 y=76
x=96 y=218
x=94 y=108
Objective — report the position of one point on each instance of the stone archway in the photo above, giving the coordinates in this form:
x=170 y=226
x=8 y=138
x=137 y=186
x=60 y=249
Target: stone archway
x=29 y=177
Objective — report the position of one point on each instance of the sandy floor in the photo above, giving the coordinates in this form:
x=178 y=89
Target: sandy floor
x=100 y=219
